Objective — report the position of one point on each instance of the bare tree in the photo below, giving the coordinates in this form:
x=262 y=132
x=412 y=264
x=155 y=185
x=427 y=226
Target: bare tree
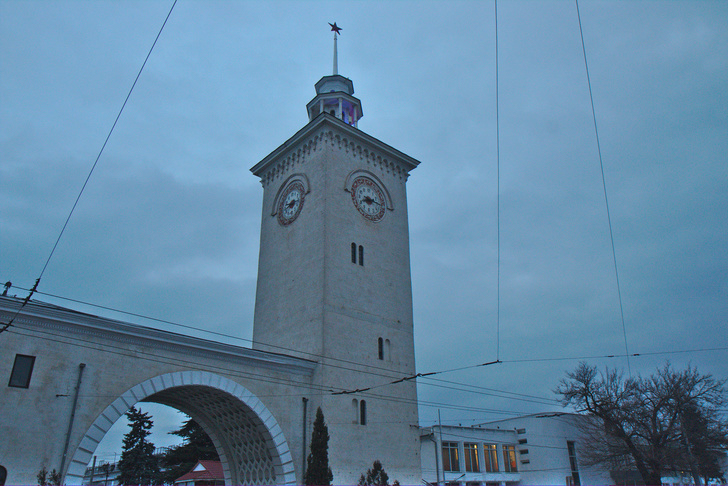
x=646 y=421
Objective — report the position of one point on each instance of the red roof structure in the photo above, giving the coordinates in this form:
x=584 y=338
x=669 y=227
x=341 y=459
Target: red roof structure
x=205 y=473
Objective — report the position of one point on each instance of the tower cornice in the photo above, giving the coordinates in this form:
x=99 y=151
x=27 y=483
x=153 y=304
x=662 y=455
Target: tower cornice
x=327 y=129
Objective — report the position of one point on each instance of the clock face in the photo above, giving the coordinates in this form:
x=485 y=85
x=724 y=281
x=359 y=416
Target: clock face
x=368 y=198
x=291 y=203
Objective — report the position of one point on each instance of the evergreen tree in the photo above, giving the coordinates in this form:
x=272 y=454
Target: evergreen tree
x=46 y=478
x=196 y=446
x=138 y=466
x=376 y=476
x=318 y=471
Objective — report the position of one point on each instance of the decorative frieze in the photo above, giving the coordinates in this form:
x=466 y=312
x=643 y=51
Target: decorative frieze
x=297 y=156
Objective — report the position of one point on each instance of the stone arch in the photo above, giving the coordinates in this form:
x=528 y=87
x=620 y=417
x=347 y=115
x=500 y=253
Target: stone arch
x=251 y=444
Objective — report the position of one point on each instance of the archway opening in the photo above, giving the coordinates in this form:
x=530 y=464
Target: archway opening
x=250 y=443
x=107 y=454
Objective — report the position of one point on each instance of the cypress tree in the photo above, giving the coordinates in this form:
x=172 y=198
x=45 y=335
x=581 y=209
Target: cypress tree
x=376 y=476
x=318 y=471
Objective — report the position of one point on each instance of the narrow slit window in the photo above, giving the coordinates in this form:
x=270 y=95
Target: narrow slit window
x=381 y=348
x=361 y=255
x=22 y=371
x=353 y=253
x=363 y=412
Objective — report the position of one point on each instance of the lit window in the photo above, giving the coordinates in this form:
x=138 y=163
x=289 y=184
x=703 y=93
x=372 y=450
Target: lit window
x=509 y=458
x=363 y=412
x=471 y=457
x=450 y=456
x=572 y=461
x=491 y=458
x=22 y=370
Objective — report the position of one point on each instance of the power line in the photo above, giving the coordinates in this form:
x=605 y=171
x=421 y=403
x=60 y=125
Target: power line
x=391 y=375
x=497 y=151
x=604 y=185
x=93 y=167
x=229 y=336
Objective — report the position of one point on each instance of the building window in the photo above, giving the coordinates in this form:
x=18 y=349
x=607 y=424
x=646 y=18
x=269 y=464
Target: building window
x=355 y=409
x=354 y=253
x=471 y=457
x=380 y=344
x=450 y=457
x=491 y=458
x=363 y=412
x=572 y=461
x=509 y=458
x=22 y=369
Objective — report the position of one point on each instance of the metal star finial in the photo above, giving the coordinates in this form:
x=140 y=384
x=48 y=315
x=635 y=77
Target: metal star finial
x=335 y=28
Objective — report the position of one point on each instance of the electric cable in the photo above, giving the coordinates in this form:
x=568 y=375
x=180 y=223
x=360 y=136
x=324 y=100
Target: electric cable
x=497 y=157
x=389 y=374
x=93 y=167
x=604 y=185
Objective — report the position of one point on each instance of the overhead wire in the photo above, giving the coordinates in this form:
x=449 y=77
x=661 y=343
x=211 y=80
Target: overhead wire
x=93 y=167
x=497 y=152
x=225 y=335
x=366 y=390
x=393 y=378
x=604 y=186
x=316 y=390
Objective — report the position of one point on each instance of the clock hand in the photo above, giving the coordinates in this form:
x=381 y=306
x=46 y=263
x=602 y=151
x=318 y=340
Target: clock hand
x=292 y=203
x=369 y=200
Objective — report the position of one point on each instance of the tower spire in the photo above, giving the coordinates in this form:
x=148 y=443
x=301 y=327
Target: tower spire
x=334 y=93
x=336 y=58
x=337 y=32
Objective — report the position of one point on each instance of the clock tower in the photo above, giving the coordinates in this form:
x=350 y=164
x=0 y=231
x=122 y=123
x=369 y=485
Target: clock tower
x=334 y=282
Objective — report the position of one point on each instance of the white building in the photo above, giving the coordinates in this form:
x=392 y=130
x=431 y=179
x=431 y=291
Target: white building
x=533 y=449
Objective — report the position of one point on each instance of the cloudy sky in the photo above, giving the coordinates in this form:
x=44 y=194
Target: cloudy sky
x=168 y=225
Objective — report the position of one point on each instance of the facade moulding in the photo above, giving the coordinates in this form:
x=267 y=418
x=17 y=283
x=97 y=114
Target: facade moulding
x=328 y=130
x=39 y=317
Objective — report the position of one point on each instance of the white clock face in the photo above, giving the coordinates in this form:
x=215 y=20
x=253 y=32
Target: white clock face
x=291 y=203
x=368 y=198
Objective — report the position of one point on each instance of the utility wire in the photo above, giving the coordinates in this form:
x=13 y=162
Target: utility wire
x=604 y=185
x=221 y=334
x=386 y=372
x=316 y=390
x=497 y=157
x=93 y=167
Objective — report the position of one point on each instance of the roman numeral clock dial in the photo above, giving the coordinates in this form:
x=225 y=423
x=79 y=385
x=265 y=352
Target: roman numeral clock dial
x=368 y=198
